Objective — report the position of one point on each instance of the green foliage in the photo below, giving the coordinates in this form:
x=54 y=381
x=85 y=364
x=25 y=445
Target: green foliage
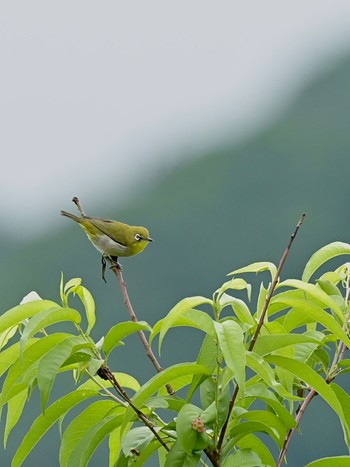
x=243 y=384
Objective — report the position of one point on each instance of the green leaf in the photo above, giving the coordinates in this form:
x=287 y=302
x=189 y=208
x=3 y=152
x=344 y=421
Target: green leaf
x=42 y=423
x=75 y=282
x=161 y=379
x=89 y=305
x=179 y=309
x=137 y=438
x=272 y=342
x=260 y=392
x=251 y=441
x=208 y=356
x=120 y=331
x=177 y=457
x=337 y=461
x=322 y=255
x=193 y=318
x=52 y=361
x=21 y=312
x=190 y=439
x=313 y=379
x=114 y=444
x=6 y=336
x=244 y=458
x=262 y=368
x=312 y=313
x=269 y=419
x=239 y=307
x=233 y=284
x=22 y=374
x=81 y=424
x=317 y=293
x=344 y=399
x=245 y=428
x=14 y=411
x=230 y=337
x=91 y=440
x=46 y=318
x=257 y=267
x=10 y=355
x=146 y=453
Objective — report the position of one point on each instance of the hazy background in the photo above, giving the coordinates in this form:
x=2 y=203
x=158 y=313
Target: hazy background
x=215 y=125
x=95 y=96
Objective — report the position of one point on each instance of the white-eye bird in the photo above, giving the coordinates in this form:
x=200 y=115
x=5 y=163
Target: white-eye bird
x=112 y=238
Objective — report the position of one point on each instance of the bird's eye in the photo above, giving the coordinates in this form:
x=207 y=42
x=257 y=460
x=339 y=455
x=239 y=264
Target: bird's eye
x=138 y=237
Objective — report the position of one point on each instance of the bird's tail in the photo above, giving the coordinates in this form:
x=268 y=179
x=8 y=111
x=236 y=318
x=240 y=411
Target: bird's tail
x=72 y=216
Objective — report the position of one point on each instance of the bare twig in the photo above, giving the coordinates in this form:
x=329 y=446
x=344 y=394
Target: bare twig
x=300 y=413
x=275 y=282
x=118 y=272
x=260 y=324
x=78 y=205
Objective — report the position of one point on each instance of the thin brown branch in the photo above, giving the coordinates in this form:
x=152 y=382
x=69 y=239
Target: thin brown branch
x=149 y=352
x=275 y=282
x=259 y=326
x=105 y=373
x=79 y=206
x=298 y=418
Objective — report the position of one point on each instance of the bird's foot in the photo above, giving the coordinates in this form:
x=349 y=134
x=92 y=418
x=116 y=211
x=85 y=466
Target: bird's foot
x=115 y=263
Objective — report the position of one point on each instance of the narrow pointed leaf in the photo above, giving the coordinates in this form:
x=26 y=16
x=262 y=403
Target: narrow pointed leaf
x=193 y=318
x=322 y=255
x=52 y=361
x=257 y=267
x=21 y=312
x=263 y=369
x=239 y=307
x=120 y=331
x=230 y=337
x=14 y=411
x=179 y=309
x=272 y=342
x=46 y=318
x=234 y=284
x=23 y=373
x=81 y=424
x=316 y=313
x=91 y=440
x=44 y=422
x=317 y=293
x=313 y=379
x=89 y=305
x=337 y=461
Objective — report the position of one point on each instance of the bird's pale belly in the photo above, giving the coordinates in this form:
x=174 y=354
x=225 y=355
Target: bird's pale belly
x=109 y=247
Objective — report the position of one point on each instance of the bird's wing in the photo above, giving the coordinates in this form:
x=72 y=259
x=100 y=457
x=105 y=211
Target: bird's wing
x=109 y=228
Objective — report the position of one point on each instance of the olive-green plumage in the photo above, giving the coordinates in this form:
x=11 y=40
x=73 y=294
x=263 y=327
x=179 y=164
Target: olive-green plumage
x=113 y=238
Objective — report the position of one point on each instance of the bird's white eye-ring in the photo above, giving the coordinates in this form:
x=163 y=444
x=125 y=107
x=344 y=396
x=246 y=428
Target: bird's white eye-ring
x=138 y=237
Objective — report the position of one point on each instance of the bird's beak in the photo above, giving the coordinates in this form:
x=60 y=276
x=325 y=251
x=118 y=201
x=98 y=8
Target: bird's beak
x=149 y=239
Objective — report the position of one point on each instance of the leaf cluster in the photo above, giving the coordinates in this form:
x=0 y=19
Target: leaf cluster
x=237 y=404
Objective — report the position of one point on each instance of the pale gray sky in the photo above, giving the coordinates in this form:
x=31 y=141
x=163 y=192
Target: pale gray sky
x=94 y=90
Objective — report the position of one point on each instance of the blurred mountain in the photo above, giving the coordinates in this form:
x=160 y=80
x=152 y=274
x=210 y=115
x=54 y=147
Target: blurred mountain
x=229 y=207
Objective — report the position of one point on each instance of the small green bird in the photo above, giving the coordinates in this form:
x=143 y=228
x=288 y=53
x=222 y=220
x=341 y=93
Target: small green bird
x=112 y=238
